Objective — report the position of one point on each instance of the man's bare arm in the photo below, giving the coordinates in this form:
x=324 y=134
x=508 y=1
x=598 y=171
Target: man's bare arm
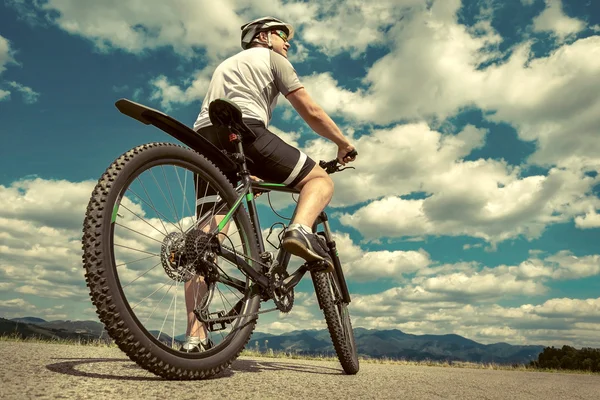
x=316 y=117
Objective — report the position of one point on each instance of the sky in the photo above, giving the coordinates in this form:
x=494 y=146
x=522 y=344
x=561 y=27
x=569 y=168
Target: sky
x=474 y=207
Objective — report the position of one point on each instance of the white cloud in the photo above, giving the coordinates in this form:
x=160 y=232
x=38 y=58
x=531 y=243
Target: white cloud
x=572 y=309
x=360 y=265
x=7 y=58
x=554 y=322
x=188 y=27
x=554 y=20
x=53 y=203
x=353 y=25
x=29 y=95
x=17 y=307
x=170 y=94
x=433 y=71
x=552 y=101
x=590 y=220
x=461 y=298
x=484 y=198
x=6 y=54
x=336 y=100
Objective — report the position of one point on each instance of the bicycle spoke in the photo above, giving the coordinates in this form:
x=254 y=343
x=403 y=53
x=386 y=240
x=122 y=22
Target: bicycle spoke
x=161 y=191
x=141 y=251
x=151 y=202
x=139 y=233
x=133 y=262
x=139 y=276
x=156 y=211
x=143 y=220
x=160 y=287
x=171 y=196
x=159 y=303
x=184 y=201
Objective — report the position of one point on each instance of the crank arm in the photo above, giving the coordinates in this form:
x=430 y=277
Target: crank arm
x=291 y=281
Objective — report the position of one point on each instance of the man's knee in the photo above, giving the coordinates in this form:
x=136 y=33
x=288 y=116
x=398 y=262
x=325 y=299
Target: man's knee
x=321 y=175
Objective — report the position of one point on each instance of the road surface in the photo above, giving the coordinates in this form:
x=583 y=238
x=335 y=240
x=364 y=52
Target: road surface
x=41 y=370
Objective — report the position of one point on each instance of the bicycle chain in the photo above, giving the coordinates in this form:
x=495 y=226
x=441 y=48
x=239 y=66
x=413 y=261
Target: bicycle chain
x=219 y=319
x=244 y=255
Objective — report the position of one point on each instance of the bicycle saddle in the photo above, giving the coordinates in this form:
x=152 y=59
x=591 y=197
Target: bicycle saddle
x=223 y=112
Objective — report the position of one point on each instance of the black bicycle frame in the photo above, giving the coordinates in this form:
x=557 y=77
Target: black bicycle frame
x=247 y=191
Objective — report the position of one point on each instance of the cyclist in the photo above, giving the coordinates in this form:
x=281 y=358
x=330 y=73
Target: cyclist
x=253 y=79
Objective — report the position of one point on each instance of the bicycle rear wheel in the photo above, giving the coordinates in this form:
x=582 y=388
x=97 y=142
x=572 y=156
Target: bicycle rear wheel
x=337 y=318
x=141 y=222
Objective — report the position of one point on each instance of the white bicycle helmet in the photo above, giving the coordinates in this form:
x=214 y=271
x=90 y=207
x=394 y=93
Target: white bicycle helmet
x=252 y=28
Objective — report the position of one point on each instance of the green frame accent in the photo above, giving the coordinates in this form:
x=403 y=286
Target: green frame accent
x=267 y=184
x=246 y=194
x=230 y=213
x=113 y=218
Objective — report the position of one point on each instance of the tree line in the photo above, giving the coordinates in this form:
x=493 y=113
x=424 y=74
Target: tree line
x=567 y=357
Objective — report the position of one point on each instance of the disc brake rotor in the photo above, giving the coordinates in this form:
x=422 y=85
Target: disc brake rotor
x=173 y=258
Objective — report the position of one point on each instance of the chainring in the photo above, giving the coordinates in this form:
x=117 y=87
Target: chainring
x=284 y=300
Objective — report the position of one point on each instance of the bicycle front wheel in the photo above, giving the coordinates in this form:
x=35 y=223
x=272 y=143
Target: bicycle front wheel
x=337 y=318
x=144 y=234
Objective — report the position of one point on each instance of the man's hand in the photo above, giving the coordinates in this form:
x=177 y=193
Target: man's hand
x=342 y=151
x=256 y=179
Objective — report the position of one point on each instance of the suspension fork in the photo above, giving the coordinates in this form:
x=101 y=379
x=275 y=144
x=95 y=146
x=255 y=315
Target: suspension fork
x=323 y=219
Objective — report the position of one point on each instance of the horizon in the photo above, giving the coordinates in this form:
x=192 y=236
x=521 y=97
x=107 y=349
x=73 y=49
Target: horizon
x=310 y=330
x=474 y=208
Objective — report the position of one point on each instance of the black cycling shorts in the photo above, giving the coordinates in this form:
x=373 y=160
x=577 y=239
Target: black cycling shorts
x=268 y=158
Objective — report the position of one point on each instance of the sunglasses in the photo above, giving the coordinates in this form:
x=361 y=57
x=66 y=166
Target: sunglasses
x=282 y=35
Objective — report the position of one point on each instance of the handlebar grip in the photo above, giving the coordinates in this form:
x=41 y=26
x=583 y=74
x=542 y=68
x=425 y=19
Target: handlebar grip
x=352 y=154
x=332 y=166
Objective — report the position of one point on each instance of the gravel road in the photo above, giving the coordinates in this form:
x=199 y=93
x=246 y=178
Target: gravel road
x=40 y=370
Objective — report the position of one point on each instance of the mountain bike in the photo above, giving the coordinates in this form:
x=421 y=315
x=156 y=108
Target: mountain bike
x=147 y=251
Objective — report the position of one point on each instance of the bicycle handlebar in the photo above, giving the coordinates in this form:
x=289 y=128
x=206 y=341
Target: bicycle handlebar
x=332 y=166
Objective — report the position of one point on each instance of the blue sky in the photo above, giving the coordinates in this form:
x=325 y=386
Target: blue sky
x=474 y=206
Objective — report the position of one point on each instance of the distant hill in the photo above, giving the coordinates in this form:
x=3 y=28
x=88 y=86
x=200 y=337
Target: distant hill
x=48 y=330
x=397 y=344
x=373 y=343
x=29 y=320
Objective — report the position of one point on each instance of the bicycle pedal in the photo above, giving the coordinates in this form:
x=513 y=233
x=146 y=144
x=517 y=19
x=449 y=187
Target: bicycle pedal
x=212 y=324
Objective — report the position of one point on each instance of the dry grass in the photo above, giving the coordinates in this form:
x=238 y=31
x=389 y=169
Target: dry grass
x=429 y=363
x=57 y=340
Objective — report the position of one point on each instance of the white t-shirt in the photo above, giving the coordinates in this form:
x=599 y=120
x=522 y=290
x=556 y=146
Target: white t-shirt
x=252 y=79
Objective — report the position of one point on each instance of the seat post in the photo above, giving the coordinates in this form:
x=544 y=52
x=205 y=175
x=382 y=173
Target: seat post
x=245 y=175
x=239 y=156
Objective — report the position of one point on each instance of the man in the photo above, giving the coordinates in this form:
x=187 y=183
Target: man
x=253 y=79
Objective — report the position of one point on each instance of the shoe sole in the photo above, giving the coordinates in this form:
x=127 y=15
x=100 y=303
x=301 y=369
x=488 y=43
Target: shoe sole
x=297 y=248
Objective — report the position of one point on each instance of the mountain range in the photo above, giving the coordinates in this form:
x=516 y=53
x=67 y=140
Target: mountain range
x=372 y=343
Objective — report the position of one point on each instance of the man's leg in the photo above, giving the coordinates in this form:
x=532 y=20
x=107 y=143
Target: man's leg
x=195 y=289
x=316 y=191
